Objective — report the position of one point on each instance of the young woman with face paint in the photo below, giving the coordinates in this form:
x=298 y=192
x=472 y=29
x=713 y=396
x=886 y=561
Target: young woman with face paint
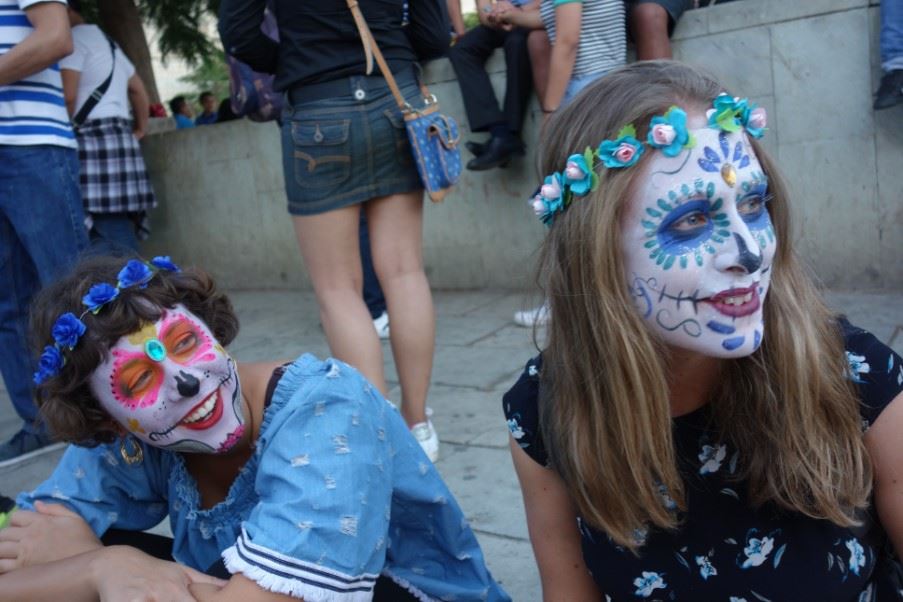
x=293 y=480
x=699 y=425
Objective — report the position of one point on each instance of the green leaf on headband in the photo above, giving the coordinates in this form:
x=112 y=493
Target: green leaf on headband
x=727 y=120
x=627 y=130
x=691 y=140
x=589 y=155
x=594 y=181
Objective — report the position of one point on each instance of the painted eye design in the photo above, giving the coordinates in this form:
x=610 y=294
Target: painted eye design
x=185 y=343
x=690 y=223
x=751 y=208
x=140 y=382
x=135 y=382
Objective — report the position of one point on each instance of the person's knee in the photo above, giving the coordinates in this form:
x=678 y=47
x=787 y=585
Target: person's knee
x=650 y=18
x=538 y=42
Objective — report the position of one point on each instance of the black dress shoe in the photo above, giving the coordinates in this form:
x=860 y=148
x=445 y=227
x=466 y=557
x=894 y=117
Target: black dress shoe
x=476 y=148
x=890 y=92
x=497 y=152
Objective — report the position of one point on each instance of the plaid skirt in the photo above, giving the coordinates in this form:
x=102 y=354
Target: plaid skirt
x=113 y=177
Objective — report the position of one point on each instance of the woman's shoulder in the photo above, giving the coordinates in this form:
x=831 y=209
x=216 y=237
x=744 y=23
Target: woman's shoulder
x=521 y=406
x=875 y=368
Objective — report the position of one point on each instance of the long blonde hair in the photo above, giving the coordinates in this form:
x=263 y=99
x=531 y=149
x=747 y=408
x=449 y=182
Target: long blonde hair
x=604 y=398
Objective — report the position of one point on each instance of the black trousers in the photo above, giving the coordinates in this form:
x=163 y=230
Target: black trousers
x=469 y=55
x=160 y=547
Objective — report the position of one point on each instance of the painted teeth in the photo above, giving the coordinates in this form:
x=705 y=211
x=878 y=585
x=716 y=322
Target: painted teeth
x=202 y=411
x=738 y=300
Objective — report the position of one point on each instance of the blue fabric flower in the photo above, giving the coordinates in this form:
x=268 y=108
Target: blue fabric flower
x=578 y=174
x=756 y=121
x=67 y=330
x=134 y=272
x=99 y=295
x=165 y=263
x=730 y=113
x=668 y=132
x=623 y=151
x=49 y=365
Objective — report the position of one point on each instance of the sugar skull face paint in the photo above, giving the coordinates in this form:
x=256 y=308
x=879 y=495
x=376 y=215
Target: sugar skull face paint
x=698 y=245
x=172 y=385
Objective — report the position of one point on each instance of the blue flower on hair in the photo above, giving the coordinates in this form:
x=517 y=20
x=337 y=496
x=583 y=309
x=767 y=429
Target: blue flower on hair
x=668 y=132
x=67 y=330
x=578 y=174
x=99 y=295
x=165 y=263
x=756 y=121
x=49 y=365
x=134 y=272
x=623 y=151
x=552 y=192
x=730 y=113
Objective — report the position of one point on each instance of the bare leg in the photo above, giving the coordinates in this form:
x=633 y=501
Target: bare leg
x=649 y=26
x=540 y=49
x=329 y=246
x=396 y=237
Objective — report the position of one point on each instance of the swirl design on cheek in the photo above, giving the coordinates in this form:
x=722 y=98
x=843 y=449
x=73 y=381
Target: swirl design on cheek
x=689 y=326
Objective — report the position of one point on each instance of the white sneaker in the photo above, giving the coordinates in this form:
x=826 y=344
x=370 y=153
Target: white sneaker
x=381 y=324
x=427 y=438
x=538 y=316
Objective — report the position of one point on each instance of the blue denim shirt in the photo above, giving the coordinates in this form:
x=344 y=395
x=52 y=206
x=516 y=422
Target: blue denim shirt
x=337 y=492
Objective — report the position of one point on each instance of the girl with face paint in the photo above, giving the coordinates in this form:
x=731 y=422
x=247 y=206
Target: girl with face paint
x=290 y=480
x=699 y=425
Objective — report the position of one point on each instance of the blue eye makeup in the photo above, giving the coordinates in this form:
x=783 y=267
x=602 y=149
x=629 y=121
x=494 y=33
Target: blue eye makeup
x=752 y=207
x=684 y=228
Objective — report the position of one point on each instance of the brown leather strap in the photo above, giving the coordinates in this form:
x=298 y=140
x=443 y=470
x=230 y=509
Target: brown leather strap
x=371 y=50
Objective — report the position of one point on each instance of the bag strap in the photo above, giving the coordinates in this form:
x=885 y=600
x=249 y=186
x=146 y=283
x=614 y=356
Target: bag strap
x=98 y=92
x=371 y=51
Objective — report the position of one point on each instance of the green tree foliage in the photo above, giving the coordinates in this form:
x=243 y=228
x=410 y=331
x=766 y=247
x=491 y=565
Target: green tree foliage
x=212 y=73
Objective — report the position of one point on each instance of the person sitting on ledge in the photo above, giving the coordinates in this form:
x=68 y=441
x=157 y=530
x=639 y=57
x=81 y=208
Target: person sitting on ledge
x=299 y=479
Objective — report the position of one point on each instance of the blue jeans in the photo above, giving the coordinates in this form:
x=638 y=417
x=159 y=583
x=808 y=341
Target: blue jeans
x=42 y=231
x=891 y=34
x=113 y=234
x=373 y=292
x=577 y=84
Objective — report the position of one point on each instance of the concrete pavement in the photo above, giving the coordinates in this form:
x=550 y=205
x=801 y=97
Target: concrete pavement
x=479 y=353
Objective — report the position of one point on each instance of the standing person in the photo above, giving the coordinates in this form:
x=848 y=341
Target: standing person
x=890 y=91
x=345 y=150
x=181 y=112
x=208 y=109
x=116 y=191
x=468 y=56
x=699 y=426
x=41 y=217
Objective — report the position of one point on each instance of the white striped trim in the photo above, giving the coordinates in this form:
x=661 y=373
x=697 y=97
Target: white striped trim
x=284 y=574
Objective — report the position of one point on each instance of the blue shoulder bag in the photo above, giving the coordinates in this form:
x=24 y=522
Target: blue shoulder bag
x=434 y=136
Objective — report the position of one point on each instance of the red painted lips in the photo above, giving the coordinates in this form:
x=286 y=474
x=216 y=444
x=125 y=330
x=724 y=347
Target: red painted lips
x=736 y=302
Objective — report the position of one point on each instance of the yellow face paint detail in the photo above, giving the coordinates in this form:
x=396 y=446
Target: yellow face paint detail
x=135 y=426
x=147 y=332
x=729 y=174
x=219 y=348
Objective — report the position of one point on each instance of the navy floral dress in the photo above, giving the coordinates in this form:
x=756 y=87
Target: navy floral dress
x=724 y=549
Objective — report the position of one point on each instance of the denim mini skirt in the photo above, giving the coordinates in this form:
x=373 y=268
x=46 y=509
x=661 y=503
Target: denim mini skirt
x=346 y=149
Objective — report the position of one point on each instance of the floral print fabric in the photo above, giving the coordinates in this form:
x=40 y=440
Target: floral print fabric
x=725 y=549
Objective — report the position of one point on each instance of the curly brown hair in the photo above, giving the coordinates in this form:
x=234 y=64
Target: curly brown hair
x=66 y=403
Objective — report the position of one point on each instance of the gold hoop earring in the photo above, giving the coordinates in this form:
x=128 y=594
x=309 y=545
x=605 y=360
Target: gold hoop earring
x=137 y=454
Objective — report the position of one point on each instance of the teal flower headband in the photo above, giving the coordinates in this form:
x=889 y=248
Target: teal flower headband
x=667 y=133
x=68 y=329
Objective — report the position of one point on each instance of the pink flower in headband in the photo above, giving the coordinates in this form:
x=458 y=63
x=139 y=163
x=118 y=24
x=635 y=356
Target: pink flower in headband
x=663 y=134
x=624 y=151
x=757 y=122
x=551 y=190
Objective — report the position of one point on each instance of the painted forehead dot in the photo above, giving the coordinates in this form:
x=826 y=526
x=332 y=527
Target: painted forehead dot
x=155 y=350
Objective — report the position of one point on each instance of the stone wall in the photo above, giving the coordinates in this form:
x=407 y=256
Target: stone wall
x=813 y=65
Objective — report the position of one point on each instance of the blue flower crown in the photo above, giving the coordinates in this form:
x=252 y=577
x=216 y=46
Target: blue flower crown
x=68 y=329
x=667 y=133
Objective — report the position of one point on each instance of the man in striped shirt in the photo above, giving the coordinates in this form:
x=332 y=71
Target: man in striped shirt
x=41 y=219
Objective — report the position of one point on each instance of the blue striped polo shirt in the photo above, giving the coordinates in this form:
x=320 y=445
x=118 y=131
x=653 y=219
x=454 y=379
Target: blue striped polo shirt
x=32 y=110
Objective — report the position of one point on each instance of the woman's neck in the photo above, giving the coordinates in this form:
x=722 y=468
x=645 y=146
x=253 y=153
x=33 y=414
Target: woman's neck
x=691 y=380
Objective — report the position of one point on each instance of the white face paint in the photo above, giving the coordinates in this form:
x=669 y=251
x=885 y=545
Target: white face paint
x=698 y=244
x=172 y=385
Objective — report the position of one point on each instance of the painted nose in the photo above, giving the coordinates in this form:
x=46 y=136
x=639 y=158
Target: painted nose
x=187 y=385
x=744 y=259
